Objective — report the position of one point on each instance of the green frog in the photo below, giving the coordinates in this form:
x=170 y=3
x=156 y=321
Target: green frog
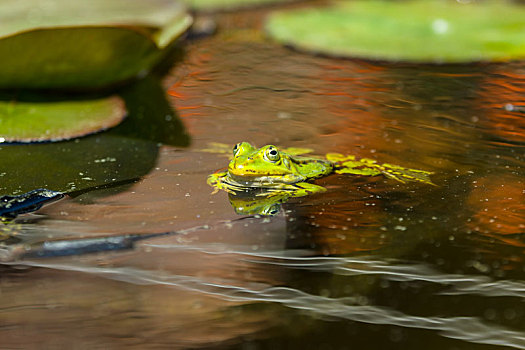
x=286 y=172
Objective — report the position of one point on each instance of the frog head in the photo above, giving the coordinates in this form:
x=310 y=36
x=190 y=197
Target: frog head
x=269 y=166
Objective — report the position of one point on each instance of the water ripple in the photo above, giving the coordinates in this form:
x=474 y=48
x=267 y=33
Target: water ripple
x=470 y=329
x=391 y=270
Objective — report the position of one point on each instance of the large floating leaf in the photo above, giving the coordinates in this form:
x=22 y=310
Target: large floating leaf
x=213 y=5
x=84 y=44
x=97 y=160
x=421 y=31
x=53 y=120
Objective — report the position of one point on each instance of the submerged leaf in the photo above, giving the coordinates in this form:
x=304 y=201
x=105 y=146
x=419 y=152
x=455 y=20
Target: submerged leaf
x=28 y=121
x=63 y=43
x=420 y=31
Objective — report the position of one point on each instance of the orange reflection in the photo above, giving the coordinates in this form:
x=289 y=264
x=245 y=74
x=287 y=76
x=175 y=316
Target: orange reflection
x=499 y=205
x=339 y=226
x=503 y=93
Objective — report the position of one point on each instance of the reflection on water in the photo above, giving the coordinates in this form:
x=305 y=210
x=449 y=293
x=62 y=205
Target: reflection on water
x=371 y=263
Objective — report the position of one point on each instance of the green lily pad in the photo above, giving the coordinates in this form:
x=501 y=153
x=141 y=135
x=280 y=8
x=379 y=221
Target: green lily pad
x=94 y=161
x=215 y=5
x=79 y=44
x=53 y=120
x=419 y=31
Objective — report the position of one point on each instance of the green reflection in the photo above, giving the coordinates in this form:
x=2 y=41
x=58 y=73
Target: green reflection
x=257 y=202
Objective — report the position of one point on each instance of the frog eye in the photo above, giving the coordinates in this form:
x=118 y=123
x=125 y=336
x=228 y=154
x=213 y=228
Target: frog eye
x=272 y=154
x=236 y=149
x=272 y=210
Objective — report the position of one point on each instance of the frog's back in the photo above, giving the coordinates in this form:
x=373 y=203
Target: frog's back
x=312 y=167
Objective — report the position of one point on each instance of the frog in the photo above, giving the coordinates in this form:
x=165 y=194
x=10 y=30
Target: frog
x=287 y=172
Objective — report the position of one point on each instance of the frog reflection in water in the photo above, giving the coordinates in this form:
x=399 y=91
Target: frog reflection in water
x=246 y=203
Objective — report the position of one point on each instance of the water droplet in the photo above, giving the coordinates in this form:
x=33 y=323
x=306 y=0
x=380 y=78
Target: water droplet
x=440 y=26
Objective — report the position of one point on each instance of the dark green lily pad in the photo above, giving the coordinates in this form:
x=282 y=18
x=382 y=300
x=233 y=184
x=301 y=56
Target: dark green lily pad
x=94 y=161
x=419 y=31
x=53 y=120
x=79 y=44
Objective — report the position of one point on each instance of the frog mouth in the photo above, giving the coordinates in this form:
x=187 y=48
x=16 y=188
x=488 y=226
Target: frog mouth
x=261 y=181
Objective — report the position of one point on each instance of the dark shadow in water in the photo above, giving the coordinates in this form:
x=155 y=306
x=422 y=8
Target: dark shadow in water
x=150 y=116
x=124 y=153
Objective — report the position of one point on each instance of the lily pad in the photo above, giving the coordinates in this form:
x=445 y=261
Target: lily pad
x=87 y=163
x=78 y=44
x=216 y=5
x=419 y=31
x=53 y=120
x=108 y=160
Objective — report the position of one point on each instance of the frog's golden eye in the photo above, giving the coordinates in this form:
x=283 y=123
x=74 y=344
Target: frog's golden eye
x=272 y=154
x=236 y=149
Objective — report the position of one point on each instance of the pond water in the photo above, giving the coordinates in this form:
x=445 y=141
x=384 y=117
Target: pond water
x=371 y=263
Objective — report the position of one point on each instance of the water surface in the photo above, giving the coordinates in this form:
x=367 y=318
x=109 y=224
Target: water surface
x=371 y=263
